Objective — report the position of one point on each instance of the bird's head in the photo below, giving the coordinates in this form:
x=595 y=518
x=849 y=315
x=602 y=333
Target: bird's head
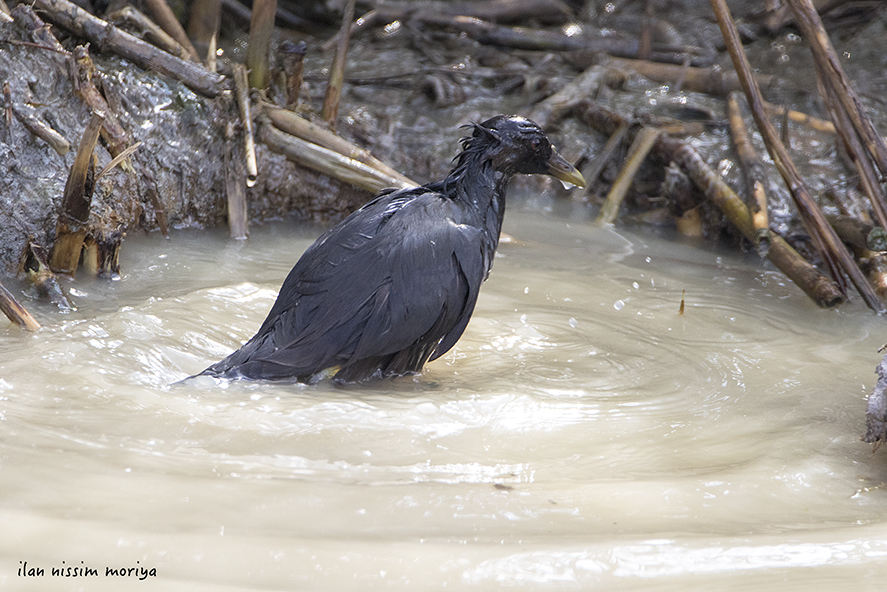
x=516 y=145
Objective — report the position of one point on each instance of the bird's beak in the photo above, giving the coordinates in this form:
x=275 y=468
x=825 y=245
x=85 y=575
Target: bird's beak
x=559 y=167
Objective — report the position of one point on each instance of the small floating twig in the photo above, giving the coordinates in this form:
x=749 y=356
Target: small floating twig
x=337 y=70
x=822 y=125
x=117 y=160
x=249 y=143
x=15 y=312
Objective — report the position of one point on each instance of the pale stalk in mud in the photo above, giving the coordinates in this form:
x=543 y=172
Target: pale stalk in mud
x=241 y=87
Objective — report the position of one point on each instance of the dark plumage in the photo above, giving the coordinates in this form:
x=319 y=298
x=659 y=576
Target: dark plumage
x=394 y=284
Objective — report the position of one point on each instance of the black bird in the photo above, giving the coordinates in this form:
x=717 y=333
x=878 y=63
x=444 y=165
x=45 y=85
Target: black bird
x=394 y=284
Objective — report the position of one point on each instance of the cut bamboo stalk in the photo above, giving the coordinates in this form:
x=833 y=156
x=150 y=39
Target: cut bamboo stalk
x=326 y=161
x=164 y=16
x=753 y=171
x=300 y=127
x=15 y=312
x=640 y=148
x=235 y=185
x=70 y=227
x=261 y=31
x=337 y=70
x=109 y=38
x=824 y=238
x=249 y=143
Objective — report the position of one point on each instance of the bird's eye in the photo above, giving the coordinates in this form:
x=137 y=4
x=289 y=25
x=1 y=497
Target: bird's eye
x=536 y=144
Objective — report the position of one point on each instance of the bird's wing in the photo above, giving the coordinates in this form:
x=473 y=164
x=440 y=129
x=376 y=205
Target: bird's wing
x=402 y=269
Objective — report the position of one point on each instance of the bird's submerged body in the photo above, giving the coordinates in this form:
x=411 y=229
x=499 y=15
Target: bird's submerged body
x=394 y=284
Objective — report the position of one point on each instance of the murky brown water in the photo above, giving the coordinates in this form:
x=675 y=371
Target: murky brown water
x=582 y=434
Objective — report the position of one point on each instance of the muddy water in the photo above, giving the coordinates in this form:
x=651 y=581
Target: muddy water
x=582 y=434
